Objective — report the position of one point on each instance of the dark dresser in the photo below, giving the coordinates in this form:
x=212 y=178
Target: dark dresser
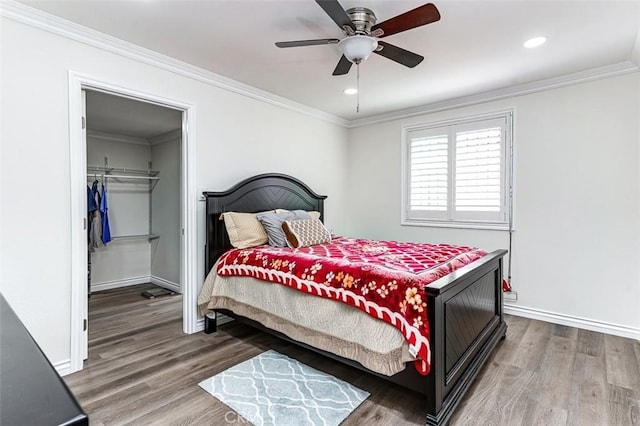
x=31 y=391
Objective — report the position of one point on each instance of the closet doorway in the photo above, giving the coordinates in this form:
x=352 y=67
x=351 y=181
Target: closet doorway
x=140 y=146
x=133 y=157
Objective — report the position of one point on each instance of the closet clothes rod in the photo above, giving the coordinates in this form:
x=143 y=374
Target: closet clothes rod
x=135 y=237
x=106 y=176
x=107 y=169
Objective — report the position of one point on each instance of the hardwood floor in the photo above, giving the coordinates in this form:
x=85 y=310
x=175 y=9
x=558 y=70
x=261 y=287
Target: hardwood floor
x=143 y=370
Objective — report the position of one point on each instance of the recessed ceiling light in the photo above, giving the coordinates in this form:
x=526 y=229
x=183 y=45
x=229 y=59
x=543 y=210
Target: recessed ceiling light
x=350 y=91
x=535 y=42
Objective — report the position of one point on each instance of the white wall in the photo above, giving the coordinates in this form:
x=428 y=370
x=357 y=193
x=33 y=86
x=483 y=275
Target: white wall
x=165 y=210
x=122 y=262
x=236 y=137
x=577 y=197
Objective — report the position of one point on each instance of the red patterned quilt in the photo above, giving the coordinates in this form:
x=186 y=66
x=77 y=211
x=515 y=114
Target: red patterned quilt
x=385 y=279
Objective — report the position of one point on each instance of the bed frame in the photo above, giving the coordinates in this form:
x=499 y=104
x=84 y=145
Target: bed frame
x=465 y=308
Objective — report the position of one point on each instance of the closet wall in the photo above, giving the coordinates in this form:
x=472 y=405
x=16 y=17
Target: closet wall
x=138 y=207
x=165 y=211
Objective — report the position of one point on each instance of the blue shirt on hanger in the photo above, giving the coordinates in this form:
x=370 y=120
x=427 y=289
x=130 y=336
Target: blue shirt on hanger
x=106 y=231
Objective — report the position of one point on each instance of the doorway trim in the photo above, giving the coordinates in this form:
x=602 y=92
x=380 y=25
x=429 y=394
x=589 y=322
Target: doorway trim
x=78 y=166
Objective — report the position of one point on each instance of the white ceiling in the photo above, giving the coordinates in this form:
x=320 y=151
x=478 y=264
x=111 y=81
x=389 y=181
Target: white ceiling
x=476 y=47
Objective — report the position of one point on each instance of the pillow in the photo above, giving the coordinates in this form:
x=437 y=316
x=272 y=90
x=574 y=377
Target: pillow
x=314 y=214
x=244 y=229
x=272 y=223
x=305 y=232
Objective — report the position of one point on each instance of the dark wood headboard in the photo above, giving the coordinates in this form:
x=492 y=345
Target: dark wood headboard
x=267 y=191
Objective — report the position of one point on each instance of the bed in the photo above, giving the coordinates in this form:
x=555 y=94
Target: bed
x=464 y=308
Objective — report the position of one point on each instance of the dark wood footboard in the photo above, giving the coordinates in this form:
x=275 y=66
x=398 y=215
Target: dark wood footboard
x=466 y=322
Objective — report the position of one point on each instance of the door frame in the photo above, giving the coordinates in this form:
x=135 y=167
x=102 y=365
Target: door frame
x=78 y=169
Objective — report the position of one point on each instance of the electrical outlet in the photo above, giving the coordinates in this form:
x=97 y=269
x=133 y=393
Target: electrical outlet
x=510 y=296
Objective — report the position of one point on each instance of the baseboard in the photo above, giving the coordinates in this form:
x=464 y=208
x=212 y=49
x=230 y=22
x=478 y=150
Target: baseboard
x=199 y=325
x=161 y=282
x=63 y=367
x=571 y=321
x=107 y=285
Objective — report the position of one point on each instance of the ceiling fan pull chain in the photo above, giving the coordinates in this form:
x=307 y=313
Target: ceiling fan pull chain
x=358 y=88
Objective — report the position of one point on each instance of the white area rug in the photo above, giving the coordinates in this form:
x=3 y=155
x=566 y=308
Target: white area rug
x=273 y=389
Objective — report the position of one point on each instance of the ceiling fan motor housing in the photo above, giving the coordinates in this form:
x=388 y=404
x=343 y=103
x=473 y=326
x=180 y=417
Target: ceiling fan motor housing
x=363 y=19
x=359 y=44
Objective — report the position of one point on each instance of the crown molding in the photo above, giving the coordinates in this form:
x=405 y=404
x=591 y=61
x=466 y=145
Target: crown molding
x=114 y=137
x=33 y=17
x=154 y=140
x=166 y=137
x=606 y=71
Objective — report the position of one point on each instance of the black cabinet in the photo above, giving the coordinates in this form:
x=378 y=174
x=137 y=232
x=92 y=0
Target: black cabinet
x=31 y=391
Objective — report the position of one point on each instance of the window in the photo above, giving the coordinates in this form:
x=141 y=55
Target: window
x=457 y=173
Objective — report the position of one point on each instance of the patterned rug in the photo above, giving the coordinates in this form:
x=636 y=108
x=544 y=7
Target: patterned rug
x=273 y=389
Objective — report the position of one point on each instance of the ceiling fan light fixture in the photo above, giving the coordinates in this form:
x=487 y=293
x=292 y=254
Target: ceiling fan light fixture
x=357 y=48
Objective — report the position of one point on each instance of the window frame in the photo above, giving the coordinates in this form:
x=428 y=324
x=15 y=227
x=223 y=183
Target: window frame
x=451 y=219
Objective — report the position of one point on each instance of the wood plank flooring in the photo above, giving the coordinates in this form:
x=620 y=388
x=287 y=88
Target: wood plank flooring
x=143 y=370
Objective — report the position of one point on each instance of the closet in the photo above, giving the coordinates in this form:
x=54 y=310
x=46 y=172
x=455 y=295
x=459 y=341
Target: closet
x=134 y=160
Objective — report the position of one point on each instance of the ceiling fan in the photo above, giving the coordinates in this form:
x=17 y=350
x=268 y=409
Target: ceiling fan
x=362 y=34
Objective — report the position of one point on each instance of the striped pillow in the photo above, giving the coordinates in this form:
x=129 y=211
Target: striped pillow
x=305 y=232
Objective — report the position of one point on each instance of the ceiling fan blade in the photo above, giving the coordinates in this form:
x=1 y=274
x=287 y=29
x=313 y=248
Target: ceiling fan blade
x=299 y=43
x=419 y=16
x=343 y=67
x=336 y=12
x=399 y=55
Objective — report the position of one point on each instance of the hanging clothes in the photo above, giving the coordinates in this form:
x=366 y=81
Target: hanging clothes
x=106 y=231
x=94 y=226
x=91 y=199
x=95 y=231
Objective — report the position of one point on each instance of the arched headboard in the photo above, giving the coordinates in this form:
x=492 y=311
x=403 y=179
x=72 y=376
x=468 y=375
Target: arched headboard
x=259 y=193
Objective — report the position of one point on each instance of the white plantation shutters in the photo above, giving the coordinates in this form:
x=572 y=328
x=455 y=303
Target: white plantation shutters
x=458 y=172
x=429 y=171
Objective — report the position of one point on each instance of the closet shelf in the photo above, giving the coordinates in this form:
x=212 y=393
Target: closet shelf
x=110 y=176
x=122 y=172
x=135 y=237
